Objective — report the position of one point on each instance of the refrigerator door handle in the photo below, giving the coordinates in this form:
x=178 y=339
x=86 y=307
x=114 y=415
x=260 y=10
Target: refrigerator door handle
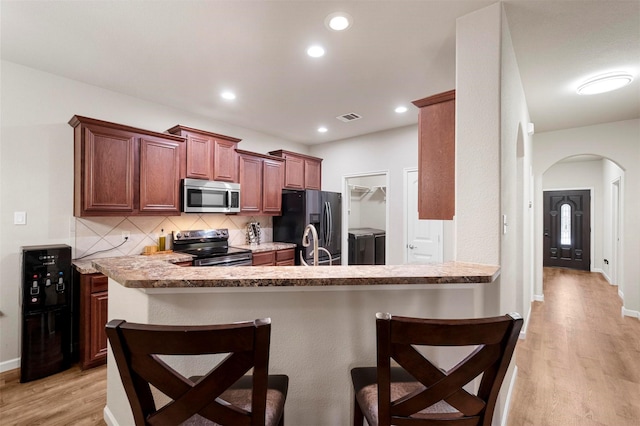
x=329 y=235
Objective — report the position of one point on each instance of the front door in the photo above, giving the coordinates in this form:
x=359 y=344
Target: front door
x=567 y=229
x=424 y=237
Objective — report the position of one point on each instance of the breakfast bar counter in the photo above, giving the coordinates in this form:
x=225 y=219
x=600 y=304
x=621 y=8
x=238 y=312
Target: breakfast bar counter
x=146 y=272
x=323 y=318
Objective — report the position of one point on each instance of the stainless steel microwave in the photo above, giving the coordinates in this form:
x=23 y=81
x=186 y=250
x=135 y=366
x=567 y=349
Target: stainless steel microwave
x=206 y=196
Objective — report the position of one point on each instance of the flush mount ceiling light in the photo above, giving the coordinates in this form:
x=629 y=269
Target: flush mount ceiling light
x=228 y=95
x=401 y=109
x=322 y=129
x=338 y=21
x=315 y=51
x=604 y=83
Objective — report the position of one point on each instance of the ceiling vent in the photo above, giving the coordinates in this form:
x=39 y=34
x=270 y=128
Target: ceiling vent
x=349 y=117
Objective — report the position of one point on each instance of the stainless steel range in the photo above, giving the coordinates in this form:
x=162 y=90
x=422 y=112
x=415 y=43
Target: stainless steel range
x=210 y=248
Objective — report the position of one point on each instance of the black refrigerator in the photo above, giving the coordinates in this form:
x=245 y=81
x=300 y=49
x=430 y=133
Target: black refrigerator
x=323 y=210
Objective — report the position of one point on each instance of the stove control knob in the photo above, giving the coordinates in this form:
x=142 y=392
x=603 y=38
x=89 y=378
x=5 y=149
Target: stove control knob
x=178 y=236
x=186 y=234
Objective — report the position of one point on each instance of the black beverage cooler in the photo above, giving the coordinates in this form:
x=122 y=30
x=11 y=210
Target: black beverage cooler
x=46 y=311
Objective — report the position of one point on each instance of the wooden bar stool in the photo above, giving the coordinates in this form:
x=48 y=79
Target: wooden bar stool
x=418 y=392
x=224 y=396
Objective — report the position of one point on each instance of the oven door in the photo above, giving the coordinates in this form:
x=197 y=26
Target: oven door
x=210 y=197
x=230 y=260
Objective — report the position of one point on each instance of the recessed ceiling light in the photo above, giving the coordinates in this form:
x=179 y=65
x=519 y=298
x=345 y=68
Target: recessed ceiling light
x=315 y=51
x=322 y=129
x=401 y=109
x=338 y=21
x=228 y=95
x=605 y=83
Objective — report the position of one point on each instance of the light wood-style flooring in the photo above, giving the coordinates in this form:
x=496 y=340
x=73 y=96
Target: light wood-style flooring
x=579 y=365
x=580 y=362
x=72 y=397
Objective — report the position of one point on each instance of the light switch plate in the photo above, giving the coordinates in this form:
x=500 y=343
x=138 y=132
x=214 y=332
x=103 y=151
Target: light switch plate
x=19 y=218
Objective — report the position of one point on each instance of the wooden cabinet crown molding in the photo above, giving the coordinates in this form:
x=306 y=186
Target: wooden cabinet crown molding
x=77 y=120
x=435 y=99
x=256 y=154
x=178 y=127
x=282 y=153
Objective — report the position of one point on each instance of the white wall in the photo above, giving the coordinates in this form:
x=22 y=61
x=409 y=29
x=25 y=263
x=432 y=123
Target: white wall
x=368 y=209
x=618 y=142
x=582 y=175
x=611 y=175
x=516 y=195
x=478 y=136
x=36 y=167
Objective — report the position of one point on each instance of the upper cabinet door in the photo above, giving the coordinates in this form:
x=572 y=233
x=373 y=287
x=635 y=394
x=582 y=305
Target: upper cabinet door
x=436 y=156
x=294 y=172
x=272 y=174
x=250 y=184
x=225 y=160
x=159 y=175
x=312 y=174
x=104 y=171
x=199 y=154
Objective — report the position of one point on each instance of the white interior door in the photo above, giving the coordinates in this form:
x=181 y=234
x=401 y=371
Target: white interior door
x=424 y=237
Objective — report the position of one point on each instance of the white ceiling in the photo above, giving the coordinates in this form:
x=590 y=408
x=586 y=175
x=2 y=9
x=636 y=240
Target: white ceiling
x=184 y=53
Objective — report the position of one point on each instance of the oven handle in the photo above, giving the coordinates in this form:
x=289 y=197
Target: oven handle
x=224 y=262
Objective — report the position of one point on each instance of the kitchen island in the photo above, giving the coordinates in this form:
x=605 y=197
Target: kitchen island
x=323 y=318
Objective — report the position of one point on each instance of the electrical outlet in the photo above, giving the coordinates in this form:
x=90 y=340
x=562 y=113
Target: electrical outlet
x=126 y=235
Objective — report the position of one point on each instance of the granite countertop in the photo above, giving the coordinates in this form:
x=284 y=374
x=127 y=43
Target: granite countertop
x=257 y=248
x=153 y=272
x=85 y=266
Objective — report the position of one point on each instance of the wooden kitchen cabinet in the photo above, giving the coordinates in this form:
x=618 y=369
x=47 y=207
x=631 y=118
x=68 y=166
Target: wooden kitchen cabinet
x=436 y=156
x=261 y=183
x=285 y=257
x=94 y=299
x=301 y=171
x=209 y=155
x=159 y=176
x=125 y=171
x=274 y=258
x=264 y=258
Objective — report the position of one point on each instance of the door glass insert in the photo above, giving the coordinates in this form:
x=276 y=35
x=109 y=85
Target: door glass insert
x=565 y=224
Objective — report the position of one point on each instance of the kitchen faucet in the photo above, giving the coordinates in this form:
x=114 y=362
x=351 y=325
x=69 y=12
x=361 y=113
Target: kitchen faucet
x=305 y=243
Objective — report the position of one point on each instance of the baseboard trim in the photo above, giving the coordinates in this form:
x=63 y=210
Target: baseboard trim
x=507 y=401
x=630 y=313
x=604 y=274
x=12 y=364
x=108 y=417
x=538 y=297
x=523 y=331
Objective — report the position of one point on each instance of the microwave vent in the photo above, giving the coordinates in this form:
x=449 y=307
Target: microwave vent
x=349 y=117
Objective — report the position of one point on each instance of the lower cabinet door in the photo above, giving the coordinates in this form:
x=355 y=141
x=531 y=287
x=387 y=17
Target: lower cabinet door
x=98 y=339
x=94 y=298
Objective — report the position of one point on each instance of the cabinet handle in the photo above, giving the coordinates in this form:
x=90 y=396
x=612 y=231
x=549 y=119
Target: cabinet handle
x=411 y=246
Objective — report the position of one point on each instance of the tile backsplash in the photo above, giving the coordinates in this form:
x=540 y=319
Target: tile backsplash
x=103 y=236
